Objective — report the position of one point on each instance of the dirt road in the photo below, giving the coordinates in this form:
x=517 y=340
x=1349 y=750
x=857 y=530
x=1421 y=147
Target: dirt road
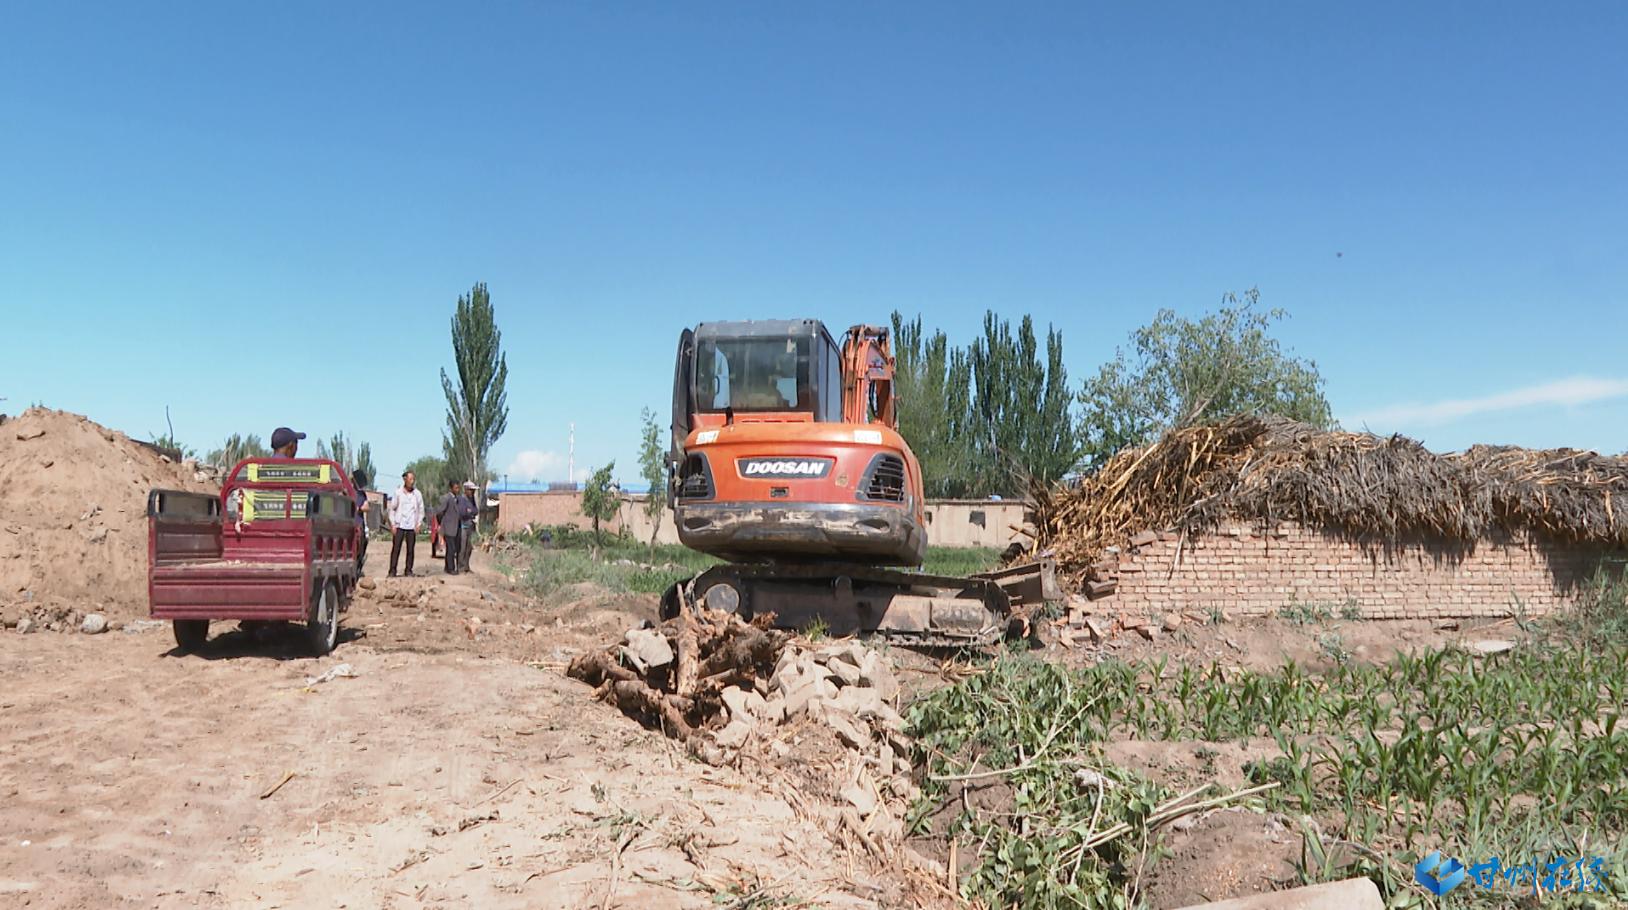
x=450 y=771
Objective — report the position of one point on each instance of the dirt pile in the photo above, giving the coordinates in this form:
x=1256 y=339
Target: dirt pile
x=1270 y=470
x=73 y=501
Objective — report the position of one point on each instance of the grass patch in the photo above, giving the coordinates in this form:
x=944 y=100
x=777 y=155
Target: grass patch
x=563 y=556
x=1522 y=756
x=558 y=557
x=960 y=560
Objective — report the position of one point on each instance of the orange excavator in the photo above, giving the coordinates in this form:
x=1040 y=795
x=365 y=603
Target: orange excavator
x=787 y=462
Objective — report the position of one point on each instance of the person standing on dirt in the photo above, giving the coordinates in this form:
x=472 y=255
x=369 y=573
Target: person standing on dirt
x=467 y=512
x=406 y=515
x=285 y=443
x=447 y=519
x=358 y=479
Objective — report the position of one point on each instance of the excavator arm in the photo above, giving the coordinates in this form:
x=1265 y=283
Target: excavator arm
x=868 y=395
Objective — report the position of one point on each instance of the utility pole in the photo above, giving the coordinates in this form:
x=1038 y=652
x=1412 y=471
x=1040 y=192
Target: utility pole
x=571 y=457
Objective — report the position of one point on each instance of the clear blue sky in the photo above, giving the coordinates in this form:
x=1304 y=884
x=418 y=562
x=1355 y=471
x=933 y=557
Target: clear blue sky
x=1437 y=192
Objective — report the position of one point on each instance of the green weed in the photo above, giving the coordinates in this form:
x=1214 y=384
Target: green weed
x=960 y=560
x=1428 y=751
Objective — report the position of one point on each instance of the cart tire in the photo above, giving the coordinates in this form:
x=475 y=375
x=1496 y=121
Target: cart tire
x=190 y=634
x=322 y=626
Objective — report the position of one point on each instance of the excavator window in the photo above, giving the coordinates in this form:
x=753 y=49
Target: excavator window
x=755 y=374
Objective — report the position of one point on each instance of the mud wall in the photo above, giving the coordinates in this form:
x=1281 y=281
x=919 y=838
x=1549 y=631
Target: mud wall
x=1250 y=571
x=564 y=507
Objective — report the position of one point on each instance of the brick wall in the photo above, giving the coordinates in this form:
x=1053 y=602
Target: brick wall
x=1247 y=571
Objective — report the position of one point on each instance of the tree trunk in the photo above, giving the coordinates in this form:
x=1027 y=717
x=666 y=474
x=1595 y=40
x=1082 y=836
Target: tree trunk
x=689 y=652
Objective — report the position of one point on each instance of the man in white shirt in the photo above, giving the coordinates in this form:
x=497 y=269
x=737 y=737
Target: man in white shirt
x=406 y=515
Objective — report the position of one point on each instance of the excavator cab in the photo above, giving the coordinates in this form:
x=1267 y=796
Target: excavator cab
x=778 y=369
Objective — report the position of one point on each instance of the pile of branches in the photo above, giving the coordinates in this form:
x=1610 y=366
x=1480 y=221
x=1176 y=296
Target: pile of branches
x=1270 y=470
x=673 y=677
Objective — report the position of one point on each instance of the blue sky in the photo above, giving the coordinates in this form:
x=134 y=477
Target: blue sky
x=1435 y=192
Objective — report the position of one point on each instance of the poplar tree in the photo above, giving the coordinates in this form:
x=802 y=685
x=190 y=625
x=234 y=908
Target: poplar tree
x=477 y=408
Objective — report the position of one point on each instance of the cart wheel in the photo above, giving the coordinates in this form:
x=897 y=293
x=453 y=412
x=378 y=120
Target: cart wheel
x=322 y=628
x=190 y=634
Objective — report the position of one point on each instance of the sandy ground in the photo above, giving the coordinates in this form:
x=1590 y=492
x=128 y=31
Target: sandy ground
x=459 y=767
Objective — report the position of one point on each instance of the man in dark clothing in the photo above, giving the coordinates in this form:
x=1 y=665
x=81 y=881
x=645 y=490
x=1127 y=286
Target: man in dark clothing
x=358 y=480
x=448 y=516
x=285 y=443
x=467 y=510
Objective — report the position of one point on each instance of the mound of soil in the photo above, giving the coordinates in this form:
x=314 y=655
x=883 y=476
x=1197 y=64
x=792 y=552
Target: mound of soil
x=73 y=511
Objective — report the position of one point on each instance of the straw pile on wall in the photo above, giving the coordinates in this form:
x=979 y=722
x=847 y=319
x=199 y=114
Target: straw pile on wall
x=1271 y=470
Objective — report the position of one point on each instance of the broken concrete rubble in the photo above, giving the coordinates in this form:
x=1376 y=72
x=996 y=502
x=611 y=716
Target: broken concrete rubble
x=844 y=672
x=647 y=649
x=735 y=691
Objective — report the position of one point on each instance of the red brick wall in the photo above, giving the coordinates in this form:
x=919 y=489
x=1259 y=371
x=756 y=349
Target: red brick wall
x=1249 y=572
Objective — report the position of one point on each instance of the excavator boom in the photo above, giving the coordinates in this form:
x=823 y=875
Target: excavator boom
x=867 y=377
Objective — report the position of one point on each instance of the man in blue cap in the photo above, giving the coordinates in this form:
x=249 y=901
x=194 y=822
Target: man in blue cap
x=285 y=443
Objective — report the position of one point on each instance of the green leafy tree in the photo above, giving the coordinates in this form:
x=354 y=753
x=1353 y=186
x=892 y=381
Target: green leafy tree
x=431 y=475
x=987 y=418
x=1022 y=407
x=364 y=463
x=1181 y=371
x=599 y=499
x=477 y=408
x=235 y=449
x=653 y=468
x=336 y=448
x=350 y=457
x=934 y=383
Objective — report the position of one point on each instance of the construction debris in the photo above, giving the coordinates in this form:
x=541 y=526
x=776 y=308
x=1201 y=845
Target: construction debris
x=734 y=688
x=341 y=671
x=678 y=684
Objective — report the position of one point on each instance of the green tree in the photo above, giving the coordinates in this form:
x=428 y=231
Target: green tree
x=364 y=463
x=599 y=499
x=350 y=457
x=934 y=383
x=1182 y=371
x=235 y=449
x=987 y=418
x=336 y=448
x=477 y=408
x=431 y=475
x=653 y=468
x=1022 y=407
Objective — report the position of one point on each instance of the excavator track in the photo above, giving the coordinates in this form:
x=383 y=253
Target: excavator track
x=910 y=608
